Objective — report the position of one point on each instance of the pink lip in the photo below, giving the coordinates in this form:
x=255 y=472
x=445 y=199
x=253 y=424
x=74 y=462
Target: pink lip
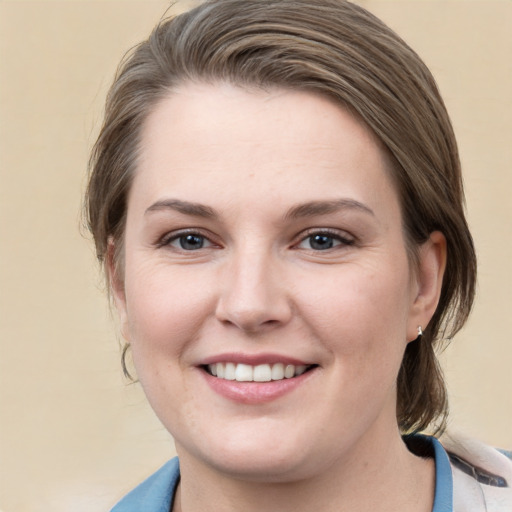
x=253 y=393
x=252 y=359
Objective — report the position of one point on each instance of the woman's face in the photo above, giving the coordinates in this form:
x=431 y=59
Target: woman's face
x=264 y=243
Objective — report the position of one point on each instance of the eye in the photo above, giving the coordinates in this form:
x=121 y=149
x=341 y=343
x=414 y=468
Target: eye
x=322 y=241
x=188 y=242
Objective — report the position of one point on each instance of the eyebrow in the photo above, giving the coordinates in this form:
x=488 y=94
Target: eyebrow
x=314 y=208
x=309 y=209
x=185 y=207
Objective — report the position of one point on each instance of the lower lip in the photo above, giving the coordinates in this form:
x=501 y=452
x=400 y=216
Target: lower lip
x=255 y=392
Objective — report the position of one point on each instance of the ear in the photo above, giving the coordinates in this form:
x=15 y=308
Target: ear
x=428 y=281
x=115 y=278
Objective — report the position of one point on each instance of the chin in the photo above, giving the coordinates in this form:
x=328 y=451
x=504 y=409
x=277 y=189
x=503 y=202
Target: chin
x=258 y=458
x=262 y=466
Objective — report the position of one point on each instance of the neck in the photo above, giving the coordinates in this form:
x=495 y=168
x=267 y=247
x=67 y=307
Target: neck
x=381 y=477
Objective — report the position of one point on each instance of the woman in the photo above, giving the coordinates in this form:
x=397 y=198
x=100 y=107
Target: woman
x=277 y=199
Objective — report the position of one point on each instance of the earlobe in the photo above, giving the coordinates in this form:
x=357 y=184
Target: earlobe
x=116 y=286
x=429 y=280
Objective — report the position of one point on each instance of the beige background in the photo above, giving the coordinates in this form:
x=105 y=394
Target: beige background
x=73 y=435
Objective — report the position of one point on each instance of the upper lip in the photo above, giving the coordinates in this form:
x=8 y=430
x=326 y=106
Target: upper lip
x=252 y=359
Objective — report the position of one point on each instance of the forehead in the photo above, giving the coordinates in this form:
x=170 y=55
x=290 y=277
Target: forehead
x=292 y=143
x=198 y=110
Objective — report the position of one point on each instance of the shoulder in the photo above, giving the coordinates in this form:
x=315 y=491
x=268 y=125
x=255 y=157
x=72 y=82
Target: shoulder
x=155 y=494
x=482 y=475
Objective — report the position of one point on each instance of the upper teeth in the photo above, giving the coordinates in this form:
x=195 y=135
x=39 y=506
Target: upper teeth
x=260 y=373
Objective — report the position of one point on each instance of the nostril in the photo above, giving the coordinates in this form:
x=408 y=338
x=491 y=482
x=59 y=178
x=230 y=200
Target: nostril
x=252 y=299
x=250 y=321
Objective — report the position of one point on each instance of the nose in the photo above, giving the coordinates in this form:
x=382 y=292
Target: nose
x=254 y=296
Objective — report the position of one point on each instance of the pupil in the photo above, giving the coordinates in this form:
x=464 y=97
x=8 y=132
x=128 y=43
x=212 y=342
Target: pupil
x=321 y=242
x=191 y=242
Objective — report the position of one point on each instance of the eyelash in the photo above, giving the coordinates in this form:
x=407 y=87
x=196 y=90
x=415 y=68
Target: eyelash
x=167 y=239
x=326 y=233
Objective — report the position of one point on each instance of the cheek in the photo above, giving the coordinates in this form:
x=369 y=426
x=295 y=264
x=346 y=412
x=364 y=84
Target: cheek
x=358 y=300
x=166 y=310
x=361 y=319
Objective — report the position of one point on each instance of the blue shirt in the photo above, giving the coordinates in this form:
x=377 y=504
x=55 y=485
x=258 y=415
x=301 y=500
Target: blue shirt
x=156 y=494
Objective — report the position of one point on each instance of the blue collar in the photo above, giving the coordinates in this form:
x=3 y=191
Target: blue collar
x=156 y=494
x=443 y=499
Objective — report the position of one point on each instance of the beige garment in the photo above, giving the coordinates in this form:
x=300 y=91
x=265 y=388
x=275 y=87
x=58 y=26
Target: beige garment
x=482 y=476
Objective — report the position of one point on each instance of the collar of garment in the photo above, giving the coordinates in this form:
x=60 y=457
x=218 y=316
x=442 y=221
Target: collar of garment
x=476 y=489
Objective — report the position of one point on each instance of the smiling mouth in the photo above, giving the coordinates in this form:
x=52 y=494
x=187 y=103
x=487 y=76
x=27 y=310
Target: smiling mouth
x=260 y=373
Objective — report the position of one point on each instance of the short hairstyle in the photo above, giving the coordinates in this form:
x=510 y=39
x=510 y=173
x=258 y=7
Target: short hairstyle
x=336 y=49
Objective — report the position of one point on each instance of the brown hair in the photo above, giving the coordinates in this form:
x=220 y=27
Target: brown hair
x=333 y=48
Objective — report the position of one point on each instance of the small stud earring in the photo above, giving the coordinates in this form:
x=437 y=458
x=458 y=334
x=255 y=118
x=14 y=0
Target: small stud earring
x=420 y=331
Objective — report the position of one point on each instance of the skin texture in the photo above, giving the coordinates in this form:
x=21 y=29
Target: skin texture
x=258 y=286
